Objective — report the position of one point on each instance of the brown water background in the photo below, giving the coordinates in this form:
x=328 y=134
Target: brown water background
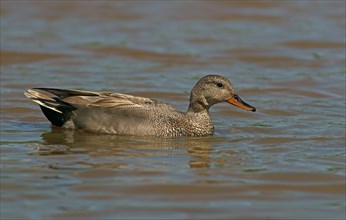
x=285 y=161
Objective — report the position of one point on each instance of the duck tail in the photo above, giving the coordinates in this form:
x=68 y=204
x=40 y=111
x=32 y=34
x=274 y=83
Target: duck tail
x=56 y=111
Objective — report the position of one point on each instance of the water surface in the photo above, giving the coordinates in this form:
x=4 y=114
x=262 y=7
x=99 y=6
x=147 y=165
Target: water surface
x=285 y=161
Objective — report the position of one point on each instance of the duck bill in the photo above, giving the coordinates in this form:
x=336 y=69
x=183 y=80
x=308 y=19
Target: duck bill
x=236 y=100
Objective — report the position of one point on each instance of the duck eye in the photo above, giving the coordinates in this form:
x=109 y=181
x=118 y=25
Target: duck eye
x=219 y=85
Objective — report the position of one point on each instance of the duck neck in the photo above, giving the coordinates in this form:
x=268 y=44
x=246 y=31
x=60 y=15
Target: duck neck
x=200 y=119
x=197 y=104
x=198 y=111
x=198 y=107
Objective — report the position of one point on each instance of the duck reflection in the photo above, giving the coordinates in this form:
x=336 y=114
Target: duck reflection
x=126 y=148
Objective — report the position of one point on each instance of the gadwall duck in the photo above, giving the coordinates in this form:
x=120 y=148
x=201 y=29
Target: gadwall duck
x=115 y=113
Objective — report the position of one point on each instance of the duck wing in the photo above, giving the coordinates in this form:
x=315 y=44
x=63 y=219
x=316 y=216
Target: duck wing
x=67 y=99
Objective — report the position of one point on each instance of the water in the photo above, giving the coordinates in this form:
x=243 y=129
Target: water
x=285 y=161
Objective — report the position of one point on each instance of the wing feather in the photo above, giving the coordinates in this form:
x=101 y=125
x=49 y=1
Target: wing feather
x=81 y=98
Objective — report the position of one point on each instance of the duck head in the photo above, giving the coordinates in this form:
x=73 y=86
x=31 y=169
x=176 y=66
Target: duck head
x=213 y=89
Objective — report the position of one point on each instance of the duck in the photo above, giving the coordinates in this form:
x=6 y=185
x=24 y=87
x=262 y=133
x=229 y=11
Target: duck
x=123 y=114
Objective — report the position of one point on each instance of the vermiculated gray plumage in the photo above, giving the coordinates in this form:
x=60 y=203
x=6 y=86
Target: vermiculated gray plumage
x=115 y=113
